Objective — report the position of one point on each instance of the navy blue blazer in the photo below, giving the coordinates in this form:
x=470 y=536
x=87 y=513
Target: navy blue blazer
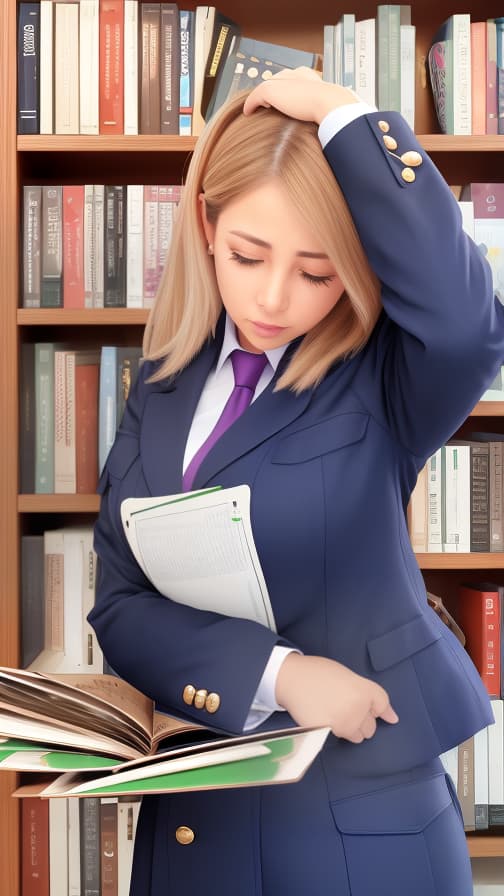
x=331 y=472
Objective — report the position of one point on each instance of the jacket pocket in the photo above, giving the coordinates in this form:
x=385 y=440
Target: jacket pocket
x=406 y=809
x=121 y=456
x=396 y=645
x=321 y=438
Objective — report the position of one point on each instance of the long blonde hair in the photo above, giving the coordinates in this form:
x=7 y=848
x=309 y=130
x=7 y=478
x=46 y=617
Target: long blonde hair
x=234 y=154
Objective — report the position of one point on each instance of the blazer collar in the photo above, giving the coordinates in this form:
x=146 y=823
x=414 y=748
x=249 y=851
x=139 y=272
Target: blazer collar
x=170 y=409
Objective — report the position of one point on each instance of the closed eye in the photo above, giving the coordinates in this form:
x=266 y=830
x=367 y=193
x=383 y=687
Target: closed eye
x=316 y=281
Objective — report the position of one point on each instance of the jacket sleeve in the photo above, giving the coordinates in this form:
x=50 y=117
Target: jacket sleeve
x=440 y=340
x=157 y=645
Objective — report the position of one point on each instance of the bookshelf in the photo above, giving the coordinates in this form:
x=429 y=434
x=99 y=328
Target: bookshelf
x=161 y=159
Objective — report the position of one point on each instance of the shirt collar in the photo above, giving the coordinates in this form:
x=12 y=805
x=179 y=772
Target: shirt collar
x=230 y=343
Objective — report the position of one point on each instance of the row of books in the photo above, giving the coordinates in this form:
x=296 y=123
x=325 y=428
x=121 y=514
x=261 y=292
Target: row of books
x=457 y=502
x=95 y=245
x=482 y=208
x=71 y=402
x=58 y=578
x=375 y=57
x=466 y=67
x=127 y=67
x=477 y=769
x=77 y=847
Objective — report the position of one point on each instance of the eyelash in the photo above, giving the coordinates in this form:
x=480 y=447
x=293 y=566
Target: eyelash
x=315 y=281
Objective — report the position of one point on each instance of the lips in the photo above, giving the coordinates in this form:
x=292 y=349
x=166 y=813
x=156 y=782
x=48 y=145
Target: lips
x=267 y=329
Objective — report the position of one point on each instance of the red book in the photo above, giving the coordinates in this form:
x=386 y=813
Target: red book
x=479 y=614
x=34 y=847
x=111 y=66
x=86 y=426
x=73 y=246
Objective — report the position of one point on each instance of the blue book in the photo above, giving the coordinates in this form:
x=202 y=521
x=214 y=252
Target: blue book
x=107 y=408
x=499 y=23
x=28 y=63
x=186 y=72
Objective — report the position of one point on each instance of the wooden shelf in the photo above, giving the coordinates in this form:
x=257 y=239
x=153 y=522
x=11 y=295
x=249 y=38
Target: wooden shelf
x=164 y=143
x=461 y=561
x=105 y=143
x=81 y=316
x=488 y=409
x=485 y=845
x=58 y=503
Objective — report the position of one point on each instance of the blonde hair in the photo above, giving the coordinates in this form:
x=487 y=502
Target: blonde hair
x=234 y=154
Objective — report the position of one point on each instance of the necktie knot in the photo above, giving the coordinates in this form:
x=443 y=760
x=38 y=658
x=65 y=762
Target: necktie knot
x=247 y=368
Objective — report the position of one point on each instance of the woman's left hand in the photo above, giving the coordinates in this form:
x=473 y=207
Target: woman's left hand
x=299 y=93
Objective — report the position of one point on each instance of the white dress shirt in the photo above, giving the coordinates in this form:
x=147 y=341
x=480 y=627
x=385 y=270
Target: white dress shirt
x=216 y=391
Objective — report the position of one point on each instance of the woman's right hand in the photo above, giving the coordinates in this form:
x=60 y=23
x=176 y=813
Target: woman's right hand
x=321 y=692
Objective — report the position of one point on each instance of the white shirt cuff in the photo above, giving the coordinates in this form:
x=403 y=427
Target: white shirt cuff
x=337 y=119
x=264 y=703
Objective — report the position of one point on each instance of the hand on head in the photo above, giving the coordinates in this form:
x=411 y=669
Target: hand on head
x=300 y=93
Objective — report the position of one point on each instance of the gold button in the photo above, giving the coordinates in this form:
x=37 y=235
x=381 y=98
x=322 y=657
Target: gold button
x=188 y=694
x=184 y=835
x=384 y=126
x=212 y=702
x=408 y=175
x=411 y=158
x=200 y=697
x=389 y=142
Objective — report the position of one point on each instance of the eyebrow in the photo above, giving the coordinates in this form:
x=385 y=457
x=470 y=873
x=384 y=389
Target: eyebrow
x=265 y=245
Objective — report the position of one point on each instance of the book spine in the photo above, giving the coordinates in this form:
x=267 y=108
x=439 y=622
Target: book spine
x=27 y=419
x=114 y=295
x=66 y=68
x=54 y=584
x=58 y=847
x=86 y=427
x=34 y=847
x=74 y=873
x=73 y=579
x=46 y=67
x=151 y=242
x=107 y=411
x=134 y=269
x=91 y=651
x=89 y=59
x=111 y=103
x=32 y=598
x=170 y=68
x=186 y=72
x=480 y=498
x=435 y=502
x=88 y=244
x=150 y=98
x=348 y=48
x=408 y=42
x=64 y=422
x=479 y=614
x=481 y=779
x=365 y=63
x=328 y=73
x=44 y=418
x=32 y=219
x=98 y=263
x=465 y=784
x=51 y=295
x=131 y=67
x=492 y=122
x=127 y=818
x=73 y=246
x=90 y=845
x=496 y=766
x=496 y=462
x=108 y=844
x=419 y=512
x=478 y=77
x=456 y=482
x=28 y=63
x=462 y=74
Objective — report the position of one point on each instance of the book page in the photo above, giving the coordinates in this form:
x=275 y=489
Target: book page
x=198 y=549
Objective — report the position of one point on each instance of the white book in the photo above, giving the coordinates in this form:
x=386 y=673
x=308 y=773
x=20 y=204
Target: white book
x=419 y=512
x=46 y=67
x=65 y=467
x=198 y=549
x=338 y=50
x=467 y=211
x=365 y=66
x=74 y=871
x=408 y=65
x=92 y=656
x=89 y=49
x=462 y=112
x=347 y=77
x=58 y=847
x=130 y=67
x=456 y=473
x=127 y=818
x=328 y=55
x=99 y=244
x=203 y=28
x=481 y=779
x=66 y=68
x=435 y=503
x=496 y=757
x=135 y=244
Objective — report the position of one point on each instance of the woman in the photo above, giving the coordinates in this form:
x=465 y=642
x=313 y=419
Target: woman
x=315 y=232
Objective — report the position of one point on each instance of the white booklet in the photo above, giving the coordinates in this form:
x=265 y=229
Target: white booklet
x=197 y=548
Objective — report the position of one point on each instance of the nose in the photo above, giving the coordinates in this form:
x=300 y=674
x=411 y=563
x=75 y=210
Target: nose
x=273 y=295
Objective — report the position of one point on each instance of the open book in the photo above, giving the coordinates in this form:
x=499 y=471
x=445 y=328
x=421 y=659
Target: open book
x=103 y=736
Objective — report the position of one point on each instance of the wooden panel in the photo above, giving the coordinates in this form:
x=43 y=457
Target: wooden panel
x=58 y=503
x=460 y=561
x=78 y=317
x=481 y=846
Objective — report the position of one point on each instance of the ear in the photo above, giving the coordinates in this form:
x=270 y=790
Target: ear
x=208 y=228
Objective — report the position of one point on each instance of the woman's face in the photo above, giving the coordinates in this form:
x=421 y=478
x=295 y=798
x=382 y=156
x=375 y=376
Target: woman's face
x=275 y=280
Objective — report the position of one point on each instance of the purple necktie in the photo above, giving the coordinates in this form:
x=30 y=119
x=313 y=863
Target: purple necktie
x=247 y=369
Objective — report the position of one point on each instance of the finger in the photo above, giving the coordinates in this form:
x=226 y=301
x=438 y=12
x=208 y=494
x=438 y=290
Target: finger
x=368 y=727
x=389 y=715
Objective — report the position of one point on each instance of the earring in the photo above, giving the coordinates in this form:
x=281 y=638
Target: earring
x=210 y=249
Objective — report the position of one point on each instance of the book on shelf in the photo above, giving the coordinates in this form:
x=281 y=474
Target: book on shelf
x=101 y=736
x=449 y=63
x=28 y=62
x=479 y=612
